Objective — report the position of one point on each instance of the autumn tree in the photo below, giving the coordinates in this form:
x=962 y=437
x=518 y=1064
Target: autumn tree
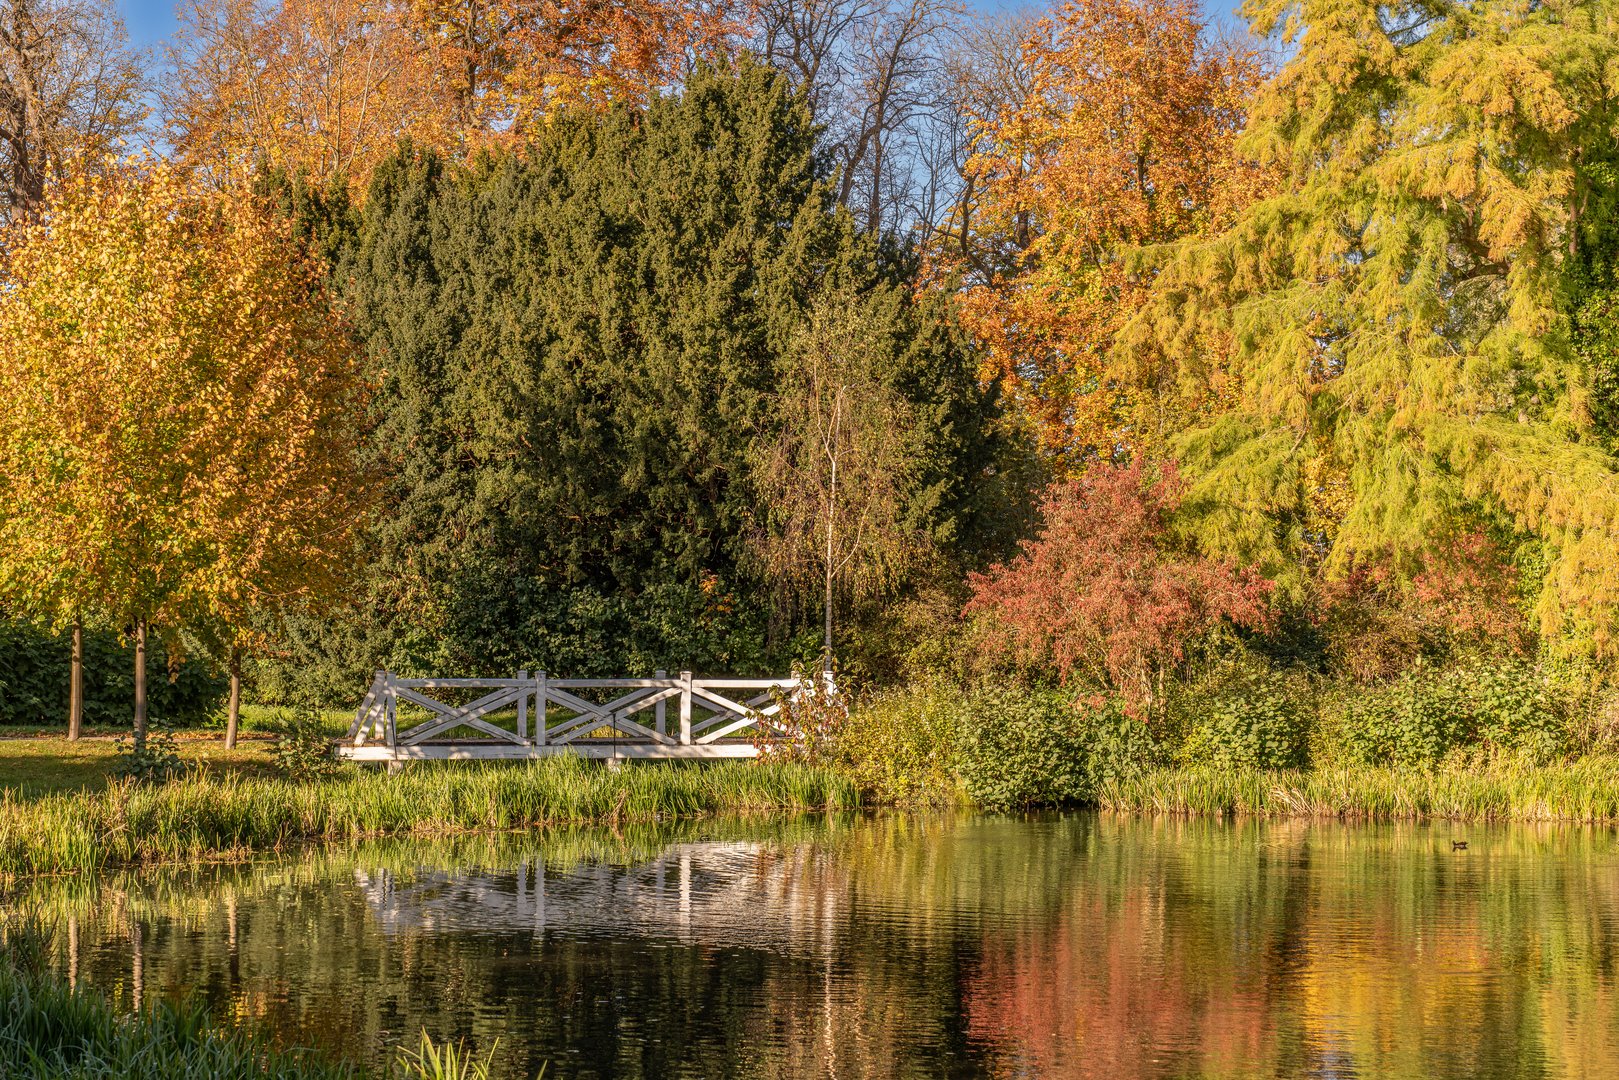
x=1400 y=359
x=986 y=70
x=508 y=64
x=327 y=88
x=1105 y=592
x=875 y=74
x=70 y=89
x=577 y=347
x=1123 y=138
x=178 y=412
x=834 y=474
x=322 y=88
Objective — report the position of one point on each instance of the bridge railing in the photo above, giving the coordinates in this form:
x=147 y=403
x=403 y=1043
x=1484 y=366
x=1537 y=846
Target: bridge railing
x=682 y=716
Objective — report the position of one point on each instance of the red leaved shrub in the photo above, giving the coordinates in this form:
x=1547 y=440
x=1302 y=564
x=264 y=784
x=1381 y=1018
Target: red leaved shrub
x=1102 y=594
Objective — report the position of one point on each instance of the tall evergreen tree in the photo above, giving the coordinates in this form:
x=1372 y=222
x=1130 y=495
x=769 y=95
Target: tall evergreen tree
x=576 y=345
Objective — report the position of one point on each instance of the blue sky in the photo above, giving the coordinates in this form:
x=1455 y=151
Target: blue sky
x=151 y=22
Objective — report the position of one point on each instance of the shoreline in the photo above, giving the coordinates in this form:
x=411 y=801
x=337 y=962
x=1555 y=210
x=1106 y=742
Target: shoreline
x=228 y=819
x=201 y=818
x=1580 y=792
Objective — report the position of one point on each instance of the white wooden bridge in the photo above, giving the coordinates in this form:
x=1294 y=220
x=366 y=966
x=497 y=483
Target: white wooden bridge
x=535 y=716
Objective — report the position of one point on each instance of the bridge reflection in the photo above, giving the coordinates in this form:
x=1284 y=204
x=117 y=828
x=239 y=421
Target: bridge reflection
x=720 y=894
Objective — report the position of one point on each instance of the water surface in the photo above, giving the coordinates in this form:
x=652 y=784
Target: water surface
x=1077 y=945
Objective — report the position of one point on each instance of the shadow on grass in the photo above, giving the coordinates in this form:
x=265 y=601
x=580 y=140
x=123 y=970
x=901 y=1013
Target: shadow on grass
x=33 y=766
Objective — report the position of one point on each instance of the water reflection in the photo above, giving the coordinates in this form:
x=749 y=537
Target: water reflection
x=1064 y=946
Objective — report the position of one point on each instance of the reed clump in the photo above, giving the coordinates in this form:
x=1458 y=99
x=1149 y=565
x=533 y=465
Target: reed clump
x=202 y=816
x=1582 y=790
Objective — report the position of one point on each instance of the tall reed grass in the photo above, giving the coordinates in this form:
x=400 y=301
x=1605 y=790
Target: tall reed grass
x=200 y=817
x=1586 y=790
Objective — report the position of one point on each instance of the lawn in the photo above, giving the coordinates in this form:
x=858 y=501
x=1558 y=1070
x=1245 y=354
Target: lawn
x=35 y=763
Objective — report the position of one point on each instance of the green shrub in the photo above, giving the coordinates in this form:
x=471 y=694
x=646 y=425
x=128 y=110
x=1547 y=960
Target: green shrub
x=811 y=720
x=1490 y=705
x=1044 y=748
x=156 y=760
x=1243 y=715
x=303 y=746
x=1416 y=720
x=1515 y=708
x=900 y=747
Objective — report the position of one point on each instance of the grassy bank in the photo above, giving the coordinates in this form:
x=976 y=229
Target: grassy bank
x=1413 y=751
x=212 y=816
x=1586 y=790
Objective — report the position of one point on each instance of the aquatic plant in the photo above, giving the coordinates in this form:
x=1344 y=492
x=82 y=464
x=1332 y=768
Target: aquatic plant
x=50 y=1030
x=198 y=817
x=1585 y=790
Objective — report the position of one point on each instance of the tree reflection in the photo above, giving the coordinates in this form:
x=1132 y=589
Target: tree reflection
x=894 y=946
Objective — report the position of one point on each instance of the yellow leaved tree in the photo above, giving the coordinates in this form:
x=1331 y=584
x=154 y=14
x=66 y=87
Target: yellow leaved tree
x=179 y=414
x=1121 y=135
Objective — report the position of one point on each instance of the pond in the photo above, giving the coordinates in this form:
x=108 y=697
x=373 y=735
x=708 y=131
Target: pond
x=1076 y=945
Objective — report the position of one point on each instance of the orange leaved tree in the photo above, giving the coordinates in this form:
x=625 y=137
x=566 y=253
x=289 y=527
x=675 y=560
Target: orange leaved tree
x=179 y=413
x=1123 y=137
x=1104 y=594
x=506 y=64
x=327 y=88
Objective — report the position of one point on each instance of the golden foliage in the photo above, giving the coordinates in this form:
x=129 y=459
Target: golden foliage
x=508 y=63
x=322 y=87
x=329 y=87
x=1125 y=138
x=178 y=410
x=1393 y=305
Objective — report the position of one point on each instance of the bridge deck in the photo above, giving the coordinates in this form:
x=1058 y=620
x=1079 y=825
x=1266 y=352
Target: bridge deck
x=490 y=750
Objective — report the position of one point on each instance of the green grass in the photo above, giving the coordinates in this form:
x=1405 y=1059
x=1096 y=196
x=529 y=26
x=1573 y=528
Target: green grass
x=230 y=814
x=1586 y=790
x=34 y=763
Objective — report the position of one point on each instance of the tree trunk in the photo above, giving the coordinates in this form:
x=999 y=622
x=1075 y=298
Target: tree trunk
x=140 y=683
x=235 y=711
x=75 y=684
x=826 y=651
x=831 y=525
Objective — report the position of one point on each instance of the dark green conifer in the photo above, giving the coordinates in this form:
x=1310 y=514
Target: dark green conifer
x=574 y=346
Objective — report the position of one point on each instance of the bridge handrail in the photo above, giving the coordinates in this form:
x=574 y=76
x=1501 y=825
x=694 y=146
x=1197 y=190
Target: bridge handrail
x=377 y=719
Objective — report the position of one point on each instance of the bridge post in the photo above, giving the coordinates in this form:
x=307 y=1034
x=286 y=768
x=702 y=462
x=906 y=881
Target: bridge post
x=658 y=710
x=522 y=705
x=390 y=710
x=685 y=708
x=539 y=708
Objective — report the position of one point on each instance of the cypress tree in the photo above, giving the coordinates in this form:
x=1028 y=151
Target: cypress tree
x=1398 y=349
